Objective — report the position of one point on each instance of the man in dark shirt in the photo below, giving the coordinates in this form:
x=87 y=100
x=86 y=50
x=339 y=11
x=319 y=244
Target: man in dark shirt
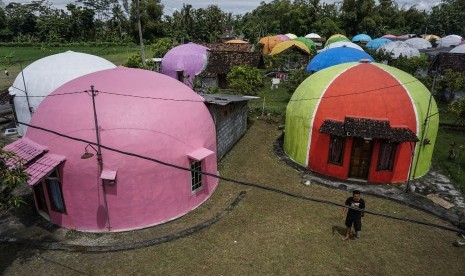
x=353 y=216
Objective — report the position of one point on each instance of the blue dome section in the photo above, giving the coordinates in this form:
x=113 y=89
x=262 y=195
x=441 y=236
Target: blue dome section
x=336 y=56
x=361 y=38
x=378 y=42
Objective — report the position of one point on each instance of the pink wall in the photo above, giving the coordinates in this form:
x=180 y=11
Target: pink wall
x=146 y=193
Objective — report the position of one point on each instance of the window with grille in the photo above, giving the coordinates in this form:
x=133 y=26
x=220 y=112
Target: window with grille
x=387 y=155
x=336 y=150
x=196 y=176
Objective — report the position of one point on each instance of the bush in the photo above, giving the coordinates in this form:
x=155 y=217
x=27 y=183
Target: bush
x=161 y=46
x=458 y=108
x=135 y=61
x=245 y=80
x=295 y=78
x=10 y=179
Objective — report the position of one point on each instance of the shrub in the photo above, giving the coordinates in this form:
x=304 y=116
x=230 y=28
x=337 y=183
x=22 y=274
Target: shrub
x=161 y=46
x=135 y=61
x=245 y=80
x=295 y=78
x=10 y=179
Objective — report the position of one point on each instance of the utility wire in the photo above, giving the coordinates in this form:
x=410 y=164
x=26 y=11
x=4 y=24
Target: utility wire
x=147 y=97
x=51 y=95
x=181 y=100
x=249 y=184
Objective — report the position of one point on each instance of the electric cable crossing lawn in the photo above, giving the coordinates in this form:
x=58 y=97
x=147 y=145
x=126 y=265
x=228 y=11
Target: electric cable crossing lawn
x=248 y=184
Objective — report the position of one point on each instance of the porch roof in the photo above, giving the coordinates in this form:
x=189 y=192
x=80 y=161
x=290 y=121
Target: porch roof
x=368 y=128
x=42 y=167
x=25 y=150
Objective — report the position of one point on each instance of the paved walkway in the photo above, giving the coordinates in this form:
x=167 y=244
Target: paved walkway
x=433 y=183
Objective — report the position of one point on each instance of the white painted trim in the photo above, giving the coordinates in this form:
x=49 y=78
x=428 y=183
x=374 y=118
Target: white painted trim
x=316 y=108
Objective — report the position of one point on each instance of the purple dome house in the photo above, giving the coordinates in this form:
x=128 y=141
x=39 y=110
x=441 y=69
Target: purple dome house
x=184 y=62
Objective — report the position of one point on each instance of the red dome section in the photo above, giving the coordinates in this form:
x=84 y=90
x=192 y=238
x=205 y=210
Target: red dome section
x=364 y=91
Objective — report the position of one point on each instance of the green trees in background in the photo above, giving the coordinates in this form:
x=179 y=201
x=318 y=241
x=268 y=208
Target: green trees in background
x=113 y=20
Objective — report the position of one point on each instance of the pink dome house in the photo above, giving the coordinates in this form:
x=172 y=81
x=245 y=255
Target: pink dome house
x=138 y=111
x=184 y=62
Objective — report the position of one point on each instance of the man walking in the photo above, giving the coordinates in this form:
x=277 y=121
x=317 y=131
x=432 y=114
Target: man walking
x=354 y=217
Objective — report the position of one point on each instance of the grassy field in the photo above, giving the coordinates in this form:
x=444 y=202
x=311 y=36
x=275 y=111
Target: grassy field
x=272 y=101
x=269 y=234
x=10 y=57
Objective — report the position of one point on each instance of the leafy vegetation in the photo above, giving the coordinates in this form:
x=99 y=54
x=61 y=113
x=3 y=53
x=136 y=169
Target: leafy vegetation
x=113 y=20
x=295 y=78
x=10 y=179
x=161 y=46
x=245 y=80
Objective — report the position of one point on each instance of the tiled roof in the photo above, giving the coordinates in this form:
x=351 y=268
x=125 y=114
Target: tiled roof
x=368 y=128
x=229 y=47
x=223 y=62
x=42 y=167
x=26 y=150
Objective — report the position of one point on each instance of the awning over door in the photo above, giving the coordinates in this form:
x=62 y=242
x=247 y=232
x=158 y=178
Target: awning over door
x=368 y=128
x=42 y=167
x=25 y=150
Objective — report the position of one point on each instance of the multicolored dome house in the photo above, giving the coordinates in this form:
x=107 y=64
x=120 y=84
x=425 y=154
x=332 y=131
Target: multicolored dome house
x=362 y=121
x=140 y=112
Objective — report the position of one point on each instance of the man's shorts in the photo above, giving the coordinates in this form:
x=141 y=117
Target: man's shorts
x=357 y=222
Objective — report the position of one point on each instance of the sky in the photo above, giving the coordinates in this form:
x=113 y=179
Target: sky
x=236 y=6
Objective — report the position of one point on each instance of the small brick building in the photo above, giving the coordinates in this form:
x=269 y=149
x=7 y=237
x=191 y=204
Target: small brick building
x=229 y=113
x=445 y=61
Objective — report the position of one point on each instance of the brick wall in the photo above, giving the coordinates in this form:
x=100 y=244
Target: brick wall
x=231 y=123
x=452 y=61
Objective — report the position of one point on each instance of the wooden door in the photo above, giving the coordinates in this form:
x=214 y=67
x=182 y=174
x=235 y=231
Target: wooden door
x=361 y=158
x=40 y=197
x=222 y=81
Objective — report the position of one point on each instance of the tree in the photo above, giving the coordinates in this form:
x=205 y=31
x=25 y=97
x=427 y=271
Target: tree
x=295 y=78
x=21 y=19
x=10 y=179
x=245 y=80
x=458 y=108
x=151 y=12
x=81 y=22
x=356 y=14
x=103 y=9
x=161 y=46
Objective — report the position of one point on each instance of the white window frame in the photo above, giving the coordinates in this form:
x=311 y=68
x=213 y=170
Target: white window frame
x=56 y=178
x=196 y=177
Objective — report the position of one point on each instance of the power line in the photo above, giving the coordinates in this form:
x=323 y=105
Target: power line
x=249 y=184
x=181 y=100
x=50 y=95
x=147 y=97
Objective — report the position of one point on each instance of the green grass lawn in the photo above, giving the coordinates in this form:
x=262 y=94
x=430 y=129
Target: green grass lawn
x=269 y=234
x=272 y=101
x=452 y=168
